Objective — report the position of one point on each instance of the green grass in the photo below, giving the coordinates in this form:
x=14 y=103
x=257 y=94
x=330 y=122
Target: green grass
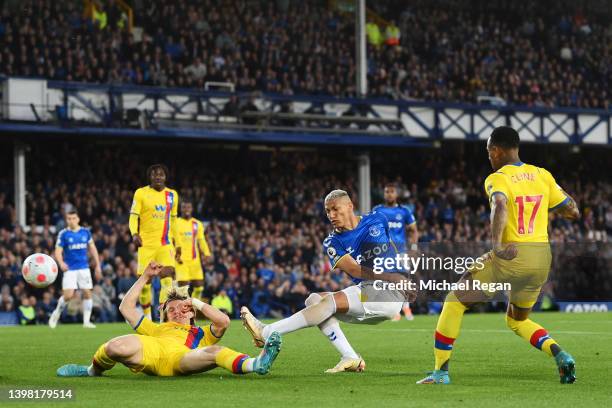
x=491 y=367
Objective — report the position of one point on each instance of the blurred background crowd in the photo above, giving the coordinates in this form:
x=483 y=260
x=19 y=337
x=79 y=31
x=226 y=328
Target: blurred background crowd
x=434 y=50
x=264 y=215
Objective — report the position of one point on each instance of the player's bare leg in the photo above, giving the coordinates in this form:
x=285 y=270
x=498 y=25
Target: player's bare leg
x=207 y=358
x=61 y=305
x=126 y=350
x=87 y=308
x=517 y=319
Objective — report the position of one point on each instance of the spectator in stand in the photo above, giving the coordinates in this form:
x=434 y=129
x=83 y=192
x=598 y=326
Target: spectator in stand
x=26 y=312
x=222 y=302
x=450 y=51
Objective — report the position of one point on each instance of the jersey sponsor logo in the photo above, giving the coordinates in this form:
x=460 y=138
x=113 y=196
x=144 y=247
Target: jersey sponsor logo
x=393 y=224
x=368 y=254
x=374 y=231
x=77 y=246
x=160 y=208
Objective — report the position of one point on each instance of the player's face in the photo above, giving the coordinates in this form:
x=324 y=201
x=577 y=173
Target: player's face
x=494 y=155
x=390 y=195
x=72 y=220
x=158 y=179
x=339 y=212
x=177 y=311
x=186 y=210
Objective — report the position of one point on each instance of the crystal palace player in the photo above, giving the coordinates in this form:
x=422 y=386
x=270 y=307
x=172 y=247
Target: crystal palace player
x=521 y=195
x=176 y=346
x=194 y=248
x=73 y=243
x=351 y=247
x=401 y=223
x=152 y=225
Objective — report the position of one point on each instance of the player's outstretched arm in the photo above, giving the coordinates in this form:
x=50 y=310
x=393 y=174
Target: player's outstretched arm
x=128 y=304
x=570 y=210
x=220 y=321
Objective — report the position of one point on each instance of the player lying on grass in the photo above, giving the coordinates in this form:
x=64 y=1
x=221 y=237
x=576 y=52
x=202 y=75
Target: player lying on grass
x=176 y=346
x=354 y=241
x=521 y=195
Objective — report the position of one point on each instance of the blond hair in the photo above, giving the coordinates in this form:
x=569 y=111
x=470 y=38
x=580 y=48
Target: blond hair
x=174 y=293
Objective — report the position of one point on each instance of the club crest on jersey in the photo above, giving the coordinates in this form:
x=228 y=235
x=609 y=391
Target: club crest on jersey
x=331 y=252
x=169 y=199
x=374 y=231
x=398 y=217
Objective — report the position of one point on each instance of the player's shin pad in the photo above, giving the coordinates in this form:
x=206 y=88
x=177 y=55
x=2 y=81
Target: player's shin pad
x=101 y=360
x=231 y=360
x=145 y=299
x=447 y=330
x=197 y=292
x=166 y=284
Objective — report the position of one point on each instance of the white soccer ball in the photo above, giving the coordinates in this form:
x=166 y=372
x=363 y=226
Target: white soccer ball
x=39 y=270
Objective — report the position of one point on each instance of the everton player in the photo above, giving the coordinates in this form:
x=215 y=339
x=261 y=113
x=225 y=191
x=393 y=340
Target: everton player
x=401 y=223
x=73 y=244
x=352 y=247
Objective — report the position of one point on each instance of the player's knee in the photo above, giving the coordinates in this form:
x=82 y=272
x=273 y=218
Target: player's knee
x=118 y=348
x=312 y=299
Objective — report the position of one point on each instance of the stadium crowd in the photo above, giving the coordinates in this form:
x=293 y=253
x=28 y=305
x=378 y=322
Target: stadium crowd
x=443 y=50
x=264 y=214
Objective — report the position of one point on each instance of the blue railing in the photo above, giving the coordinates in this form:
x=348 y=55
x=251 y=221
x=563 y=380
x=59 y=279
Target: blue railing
x=174 y=112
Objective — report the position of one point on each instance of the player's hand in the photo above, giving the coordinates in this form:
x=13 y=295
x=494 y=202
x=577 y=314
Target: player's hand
x=64 y=266
x=137 y=240
x=98 y=273
x=177 y=255
x=153 y=269
x=508 y=253
x=187 y=305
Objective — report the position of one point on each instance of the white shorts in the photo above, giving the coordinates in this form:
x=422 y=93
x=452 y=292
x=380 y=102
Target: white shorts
x=77 y=279
x=369 y=312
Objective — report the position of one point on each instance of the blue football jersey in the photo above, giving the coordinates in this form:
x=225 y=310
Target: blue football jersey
x=368 y=240
x=74 y=244
x=399 y=217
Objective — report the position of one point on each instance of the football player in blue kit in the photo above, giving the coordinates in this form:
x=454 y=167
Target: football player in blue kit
x=73 y=244
x=401 y=224
x=352 y=247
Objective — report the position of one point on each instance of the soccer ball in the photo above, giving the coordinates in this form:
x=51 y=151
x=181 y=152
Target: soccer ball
x=39 y=270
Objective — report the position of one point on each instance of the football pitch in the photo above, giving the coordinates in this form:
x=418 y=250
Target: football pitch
x=491 y=366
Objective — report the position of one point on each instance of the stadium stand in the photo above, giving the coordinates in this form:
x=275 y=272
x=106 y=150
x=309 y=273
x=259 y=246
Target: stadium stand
x=463 y=51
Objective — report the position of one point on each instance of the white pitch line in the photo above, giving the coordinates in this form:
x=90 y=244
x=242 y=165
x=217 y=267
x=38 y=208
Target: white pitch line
x=494 y=331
